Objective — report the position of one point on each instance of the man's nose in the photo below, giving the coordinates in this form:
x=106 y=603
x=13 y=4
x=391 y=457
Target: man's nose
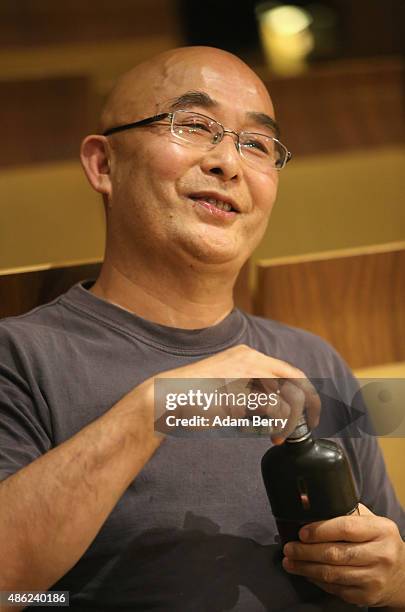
x=224 y=159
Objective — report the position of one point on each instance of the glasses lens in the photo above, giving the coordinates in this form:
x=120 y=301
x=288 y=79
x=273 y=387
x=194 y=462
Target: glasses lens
x=195 y=128
x=259 y=150
x=263 y=151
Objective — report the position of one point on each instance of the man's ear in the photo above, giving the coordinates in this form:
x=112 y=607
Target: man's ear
x=94 y=155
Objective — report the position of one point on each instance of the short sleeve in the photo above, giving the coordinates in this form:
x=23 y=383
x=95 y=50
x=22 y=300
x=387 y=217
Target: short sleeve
x=377 y=491
x=375 y=487
x=24 y=433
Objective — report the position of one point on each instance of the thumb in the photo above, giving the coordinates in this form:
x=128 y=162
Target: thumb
x=364 y=511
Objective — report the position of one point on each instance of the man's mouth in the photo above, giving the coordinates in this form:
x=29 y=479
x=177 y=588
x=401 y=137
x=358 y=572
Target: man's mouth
x=217 y=203
x=226 y=205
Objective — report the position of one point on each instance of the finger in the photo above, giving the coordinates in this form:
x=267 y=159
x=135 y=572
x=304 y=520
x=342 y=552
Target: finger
x=278 y=432
x=364 y=511
x=280 y=410
x=293 y=399
x=281 y=369
x=233 y=388
x=329 y=574
x=312 y=400
x=264 y=385
x=351 y=528
x=333 y=553
x=285 y=425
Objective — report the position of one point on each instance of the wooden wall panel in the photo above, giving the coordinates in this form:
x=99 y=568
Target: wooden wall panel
x=22 y=290
x=44 y=22
x=342 y=106
x=44 y=119
x=355 y=300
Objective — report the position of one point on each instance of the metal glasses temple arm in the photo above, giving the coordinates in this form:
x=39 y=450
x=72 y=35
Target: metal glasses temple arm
x=128 y=126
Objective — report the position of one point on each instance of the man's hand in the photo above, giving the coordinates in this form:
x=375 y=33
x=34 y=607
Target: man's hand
x=361 y=559
x=296 y=392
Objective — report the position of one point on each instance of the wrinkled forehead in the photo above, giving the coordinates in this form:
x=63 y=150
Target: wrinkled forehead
x=151 y=87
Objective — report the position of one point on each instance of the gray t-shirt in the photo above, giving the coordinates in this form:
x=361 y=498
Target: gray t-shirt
x=194 y=531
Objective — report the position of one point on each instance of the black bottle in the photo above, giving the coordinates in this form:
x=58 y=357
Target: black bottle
x=307 y=480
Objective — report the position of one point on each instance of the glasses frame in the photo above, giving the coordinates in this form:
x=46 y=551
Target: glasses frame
x=171 y=116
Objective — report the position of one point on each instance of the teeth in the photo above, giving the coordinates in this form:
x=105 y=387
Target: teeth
x=219 y=204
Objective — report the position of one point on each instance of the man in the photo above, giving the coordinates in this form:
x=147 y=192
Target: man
x=92 y=500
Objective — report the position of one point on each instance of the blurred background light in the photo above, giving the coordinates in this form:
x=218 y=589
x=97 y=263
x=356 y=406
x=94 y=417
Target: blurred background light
x=286 y=37
x=286 y=20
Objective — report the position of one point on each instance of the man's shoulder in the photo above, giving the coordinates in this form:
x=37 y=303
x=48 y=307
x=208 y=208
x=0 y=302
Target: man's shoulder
x=61 y=313
x=286 y=334
x=283 y=330
x=35 y=319
x=35 y=328
x=300 y=347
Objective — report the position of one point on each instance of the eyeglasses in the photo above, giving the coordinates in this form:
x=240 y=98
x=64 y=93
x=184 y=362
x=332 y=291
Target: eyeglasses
x=260 y=151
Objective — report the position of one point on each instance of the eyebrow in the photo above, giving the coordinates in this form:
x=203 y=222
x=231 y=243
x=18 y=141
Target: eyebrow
x=193 y=98
x=265 y=121
x=200 y=98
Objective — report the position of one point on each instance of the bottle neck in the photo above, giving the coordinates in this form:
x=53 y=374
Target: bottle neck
x=300 y=433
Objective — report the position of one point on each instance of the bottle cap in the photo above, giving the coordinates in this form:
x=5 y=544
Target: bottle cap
x=301 y=431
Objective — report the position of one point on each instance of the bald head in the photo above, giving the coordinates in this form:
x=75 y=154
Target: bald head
x=152 y=86
x=158 y=185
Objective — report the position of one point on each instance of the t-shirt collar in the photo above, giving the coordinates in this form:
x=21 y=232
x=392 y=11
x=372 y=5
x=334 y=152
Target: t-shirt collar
x=216 y=337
